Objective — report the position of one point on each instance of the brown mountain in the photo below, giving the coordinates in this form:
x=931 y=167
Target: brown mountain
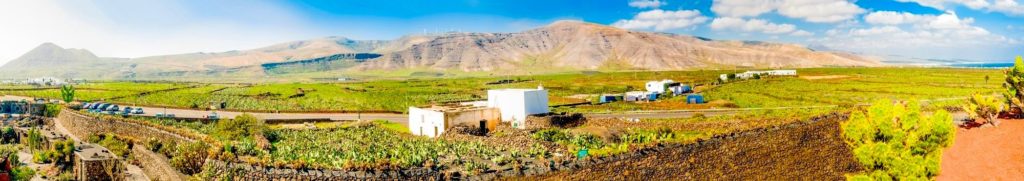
x=561 y=46
x=577 y=45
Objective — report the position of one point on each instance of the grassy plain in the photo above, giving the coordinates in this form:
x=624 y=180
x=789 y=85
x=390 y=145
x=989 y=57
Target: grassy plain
x=814 y=87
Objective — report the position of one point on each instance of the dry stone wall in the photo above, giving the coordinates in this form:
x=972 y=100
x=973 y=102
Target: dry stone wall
x=155 y=166
x=800 y=151
x=83 y=126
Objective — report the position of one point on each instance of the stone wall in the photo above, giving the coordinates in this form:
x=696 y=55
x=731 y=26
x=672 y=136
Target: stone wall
x=82 y=126
x=241 y=171
x=156 y=166
x=811 y=150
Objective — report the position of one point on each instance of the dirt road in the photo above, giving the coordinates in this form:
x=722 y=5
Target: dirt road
x=987 y=153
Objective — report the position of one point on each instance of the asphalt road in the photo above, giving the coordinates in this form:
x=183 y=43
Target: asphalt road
x=402 y=119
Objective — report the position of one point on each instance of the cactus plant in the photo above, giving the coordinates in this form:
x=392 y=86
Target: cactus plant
x=1014 y=85
x=67 y=92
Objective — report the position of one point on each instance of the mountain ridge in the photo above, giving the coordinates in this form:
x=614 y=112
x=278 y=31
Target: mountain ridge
x=562 y=45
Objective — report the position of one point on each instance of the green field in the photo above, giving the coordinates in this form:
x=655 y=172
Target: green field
x=814 y=87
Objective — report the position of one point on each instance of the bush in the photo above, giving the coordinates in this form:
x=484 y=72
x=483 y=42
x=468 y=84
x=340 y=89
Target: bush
x=895 y=141
x=1014 y=85
x=984 y=107
x=189 y=157
x=52 y=110
x=550 y=135
x=243 y=126
x=22 y=173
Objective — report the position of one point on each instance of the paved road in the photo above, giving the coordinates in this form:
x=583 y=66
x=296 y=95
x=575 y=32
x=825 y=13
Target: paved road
x=189 y=113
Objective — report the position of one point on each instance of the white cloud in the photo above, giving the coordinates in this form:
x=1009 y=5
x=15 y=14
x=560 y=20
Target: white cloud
x=801 y=33
x=661 y=20
x=895 y=18
x=1008 y=7
x=817 y=11
x=945 y=35
x=646 y=3
x=820 y=11
x=752 y=25
x=743 y=8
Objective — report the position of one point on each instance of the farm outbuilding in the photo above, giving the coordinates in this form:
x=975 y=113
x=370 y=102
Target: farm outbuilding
x=434 y=120
x=609 y=98
x=751 y=74
x=517 y=104
x=694 y=99
x=681 y=89
x=640 y=96
x=660 y=86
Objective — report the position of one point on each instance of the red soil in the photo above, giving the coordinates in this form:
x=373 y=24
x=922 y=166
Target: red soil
x=986 y=153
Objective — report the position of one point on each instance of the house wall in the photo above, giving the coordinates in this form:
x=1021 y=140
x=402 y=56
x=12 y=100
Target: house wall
x=516 y=105
x=423 y=122
x=472 y=118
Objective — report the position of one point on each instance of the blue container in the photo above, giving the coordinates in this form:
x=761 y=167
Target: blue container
x=652 y=97
x=687 y=88
x=607 y=99
x=694 y=99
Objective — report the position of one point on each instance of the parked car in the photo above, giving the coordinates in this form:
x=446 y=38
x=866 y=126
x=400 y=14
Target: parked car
x=113 y=108
x=138 y=110
x=85 y=105
x=127 y=110
x=103 y=107
x=213 y=115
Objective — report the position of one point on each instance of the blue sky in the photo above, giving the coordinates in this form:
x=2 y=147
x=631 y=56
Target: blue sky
x=987 y=30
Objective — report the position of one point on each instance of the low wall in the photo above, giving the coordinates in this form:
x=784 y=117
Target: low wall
x=156 y=166
x=82 y=126
x=811 y=150
x=241 y=171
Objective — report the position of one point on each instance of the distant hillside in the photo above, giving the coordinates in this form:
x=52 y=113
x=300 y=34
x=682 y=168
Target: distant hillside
x=561 y=46
x=577 y=45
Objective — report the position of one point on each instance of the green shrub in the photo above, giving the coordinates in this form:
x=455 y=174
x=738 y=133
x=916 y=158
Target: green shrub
x=243 y=126
x=22 y=173
x=896 y=141
x=52 y=110
x=984 y=107
x=189 y=157
x=1014 y=85
x=550 y=135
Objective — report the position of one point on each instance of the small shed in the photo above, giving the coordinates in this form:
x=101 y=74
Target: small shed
x=660 y=86
x=694 y=99
x=433 y=121
x=609 y=98
x=641 y=96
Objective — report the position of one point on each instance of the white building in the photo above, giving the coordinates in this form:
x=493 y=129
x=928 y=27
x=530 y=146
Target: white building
x=635 y=96
x=435 y=120
x=660 y=86
x=517 y=104
x=750 y=74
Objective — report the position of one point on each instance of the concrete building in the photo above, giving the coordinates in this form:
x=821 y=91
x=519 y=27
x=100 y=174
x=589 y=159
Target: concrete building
x=635 y=96
x=93 y=162
x=751 y=74
x=660 y=86
x=517 y=104
x=433 y=121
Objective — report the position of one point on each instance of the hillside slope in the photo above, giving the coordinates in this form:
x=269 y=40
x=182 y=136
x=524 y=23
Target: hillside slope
x=578 y=45
x=561 y=46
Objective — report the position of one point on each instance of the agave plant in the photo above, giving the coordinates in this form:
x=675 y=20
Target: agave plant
x=984 y=107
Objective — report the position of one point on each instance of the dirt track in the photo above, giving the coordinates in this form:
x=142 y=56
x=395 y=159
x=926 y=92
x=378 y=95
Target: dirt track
x=986 y=153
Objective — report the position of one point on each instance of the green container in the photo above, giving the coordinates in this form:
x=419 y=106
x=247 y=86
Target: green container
x=581 y=154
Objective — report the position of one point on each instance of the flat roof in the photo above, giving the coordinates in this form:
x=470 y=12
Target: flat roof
x=518 y=90
x=454 y=108
x=92 y=152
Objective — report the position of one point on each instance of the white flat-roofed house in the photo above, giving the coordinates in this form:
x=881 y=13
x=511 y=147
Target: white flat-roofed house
x=660 y=86
x=750 y=74
x=517 y=104
x=435 y=120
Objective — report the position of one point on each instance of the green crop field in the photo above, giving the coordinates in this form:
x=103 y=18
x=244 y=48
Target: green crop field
x=814 y=87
